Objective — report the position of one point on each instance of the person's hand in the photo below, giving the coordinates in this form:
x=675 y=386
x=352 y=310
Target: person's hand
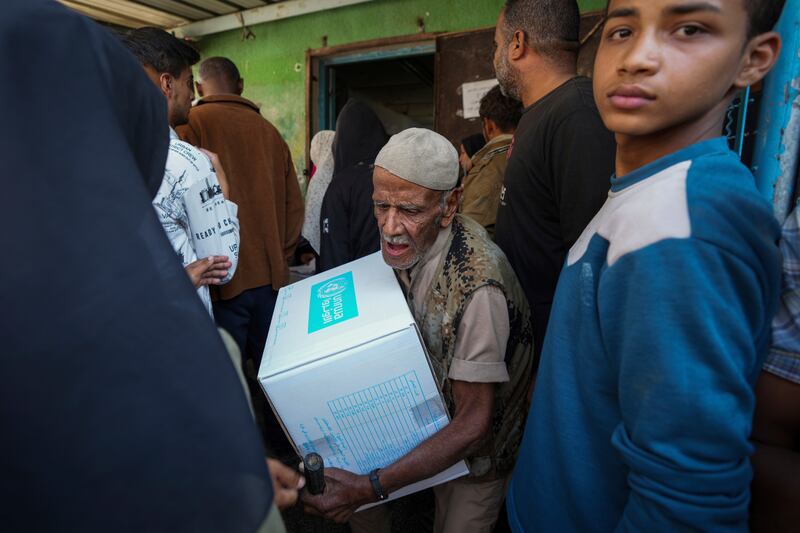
x=286 y=482
x=306 y=257
x=344 y=493
x=221 y=177
x=210 y=270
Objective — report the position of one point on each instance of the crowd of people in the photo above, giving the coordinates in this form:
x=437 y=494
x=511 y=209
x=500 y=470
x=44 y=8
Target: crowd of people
x=610 y=353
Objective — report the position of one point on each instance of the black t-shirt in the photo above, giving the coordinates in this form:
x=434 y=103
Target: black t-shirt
x=556 y=180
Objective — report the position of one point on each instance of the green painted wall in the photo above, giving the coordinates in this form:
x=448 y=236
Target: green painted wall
x=273 y=64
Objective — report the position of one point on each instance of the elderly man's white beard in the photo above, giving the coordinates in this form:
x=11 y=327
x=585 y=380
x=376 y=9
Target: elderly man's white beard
x=403 y=240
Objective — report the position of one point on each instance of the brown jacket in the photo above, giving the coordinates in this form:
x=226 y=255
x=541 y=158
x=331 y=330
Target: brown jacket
x=484 y=181
x=262 y=183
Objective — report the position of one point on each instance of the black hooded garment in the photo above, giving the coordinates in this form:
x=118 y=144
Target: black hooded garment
x=119 y=407
x=347 y=221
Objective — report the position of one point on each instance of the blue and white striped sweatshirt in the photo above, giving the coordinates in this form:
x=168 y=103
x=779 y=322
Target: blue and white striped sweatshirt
x=644 y=397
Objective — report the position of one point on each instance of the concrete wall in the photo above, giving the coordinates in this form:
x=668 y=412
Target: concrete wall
x=273 y=64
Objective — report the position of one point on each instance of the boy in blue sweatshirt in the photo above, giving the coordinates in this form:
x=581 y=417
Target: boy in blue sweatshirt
x=644 y=398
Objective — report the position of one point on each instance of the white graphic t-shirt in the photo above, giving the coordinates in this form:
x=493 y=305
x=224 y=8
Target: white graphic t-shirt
x=197 y=218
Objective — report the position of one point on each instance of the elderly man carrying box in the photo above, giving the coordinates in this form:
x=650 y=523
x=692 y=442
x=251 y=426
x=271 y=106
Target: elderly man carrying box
x=475 y=321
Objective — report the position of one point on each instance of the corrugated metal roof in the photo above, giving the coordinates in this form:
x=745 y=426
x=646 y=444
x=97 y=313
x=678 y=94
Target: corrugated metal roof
x=165 y=14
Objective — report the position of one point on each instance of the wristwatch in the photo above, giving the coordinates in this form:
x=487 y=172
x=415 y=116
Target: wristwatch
x=376 y=485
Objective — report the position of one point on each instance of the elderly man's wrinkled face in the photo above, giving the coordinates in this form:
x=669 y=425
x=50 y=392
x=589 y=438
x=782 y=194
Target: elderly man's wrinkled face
x=409 y=217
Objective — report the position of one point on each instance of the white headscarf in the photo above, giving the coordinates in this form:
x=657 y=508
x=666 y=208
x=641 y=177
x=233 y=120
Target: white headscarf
x=321 y=153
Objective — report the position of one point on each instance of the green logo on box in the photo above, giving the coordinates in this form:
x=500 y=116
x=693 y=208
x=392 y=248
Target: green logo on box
x=332 y=301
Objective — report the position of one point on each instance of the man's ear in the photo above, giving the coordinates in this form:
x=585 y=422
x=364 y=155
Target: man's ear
x=760 y=56
x=240 y=86
x=451 y=206
x=199 y=87
x=165 y=81
x=516 y=48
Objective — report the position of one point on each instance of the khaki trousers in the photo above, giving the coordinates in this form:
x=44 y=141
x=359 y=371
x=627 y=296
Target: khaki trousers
x=461 y=507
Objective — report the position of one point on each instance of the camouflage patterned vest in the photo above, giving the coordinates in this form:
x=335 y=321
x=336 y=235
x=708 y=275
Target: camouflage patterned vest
x=472 y=261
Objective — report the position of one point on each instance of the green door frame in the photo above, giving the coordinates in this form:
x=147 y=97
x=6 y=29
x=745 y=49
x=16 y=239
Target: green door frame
x=326 y=105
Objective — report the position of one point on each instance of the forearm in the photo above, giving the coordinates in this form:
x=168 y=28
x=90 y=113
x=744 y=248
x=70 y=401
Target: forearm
x=775 y=489
x=471 y=423
x=445 y=448
x=346 y=492
x=776 y=461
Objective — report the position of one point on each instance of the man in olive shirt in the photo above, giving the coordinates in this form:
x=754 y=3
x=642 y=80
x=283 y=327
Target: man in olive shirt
x=562 y=156
x=482 y=184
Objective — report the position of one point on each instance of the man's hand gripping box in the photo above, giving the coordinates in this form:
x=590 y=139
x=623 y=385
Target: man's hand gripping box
x=346 y=372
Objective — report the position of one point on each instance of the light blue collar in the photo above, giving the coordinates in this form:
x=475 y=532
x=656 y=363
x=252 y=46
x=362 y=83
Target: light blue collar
x=711 y=146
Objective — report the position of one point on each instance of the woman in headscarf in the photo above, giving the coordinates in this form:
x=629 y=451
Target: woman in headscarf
x=349 y=230
x=120 y=408
x=322 y=156
x=469 y=146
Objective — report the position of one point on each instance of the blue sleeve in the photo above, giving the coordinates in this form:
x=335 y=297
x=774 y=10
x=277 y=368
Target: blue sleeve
x=683 y=322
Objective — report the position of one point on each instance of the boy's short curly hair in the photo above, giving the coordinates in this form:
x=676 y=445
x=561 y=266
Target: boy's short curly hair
x=162 y=51
x=502 y=110
x=763 y=15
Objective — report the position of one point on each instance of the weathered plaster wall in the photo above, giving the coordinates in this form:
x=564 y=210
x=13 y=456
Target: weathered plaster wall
x=273 y=64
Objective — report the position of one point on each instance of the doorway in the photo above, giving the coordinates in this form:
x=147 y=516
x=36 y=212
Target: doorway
x=400 y=90
x=395 y=79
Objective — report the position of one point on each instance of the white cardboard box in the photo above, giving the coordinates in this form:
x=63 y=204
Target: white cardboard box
x=346 y=372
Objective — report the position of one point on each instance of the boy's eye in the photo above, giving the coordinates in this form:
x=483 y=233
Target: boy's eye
x=689 y=30
x=619 y=33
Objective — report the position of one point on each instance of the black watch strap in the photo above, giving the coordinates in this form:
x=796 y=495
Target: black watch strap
x=376 y=485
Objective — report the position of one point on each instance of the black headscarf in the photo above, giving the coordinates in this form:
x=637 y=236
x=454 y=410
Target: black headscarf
x=359 y=137
x=120 y=409
x=347 y=223
x=473 y=143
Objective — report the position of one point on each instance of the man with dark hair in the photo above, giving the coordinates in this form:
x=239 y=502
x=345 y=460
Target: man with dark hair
x=168 y=63
x=482 y=184
x=264 y=185
x=562 y=155
x=200 y=223
x=219 y=75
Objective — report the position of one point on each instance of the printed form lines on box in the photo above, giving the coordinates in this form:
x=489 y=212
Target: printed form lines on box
x=382 y=423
